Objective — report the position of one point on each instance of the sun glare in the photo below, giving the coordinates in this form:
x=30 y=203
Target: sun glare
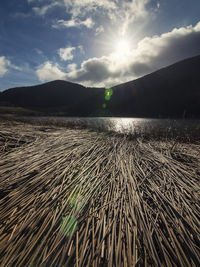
x=122 y=48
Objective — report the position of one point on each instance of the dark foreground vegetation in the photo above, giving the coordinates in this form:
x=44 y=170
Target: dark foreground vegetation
x=72 y=196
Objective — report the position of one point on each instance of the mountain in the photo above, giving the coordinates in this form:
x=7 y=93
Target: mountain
x=57 y=96
x=173 y=91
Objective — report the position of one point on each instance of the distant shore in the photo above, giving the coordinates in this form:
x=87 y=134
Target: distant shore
x=70 y=195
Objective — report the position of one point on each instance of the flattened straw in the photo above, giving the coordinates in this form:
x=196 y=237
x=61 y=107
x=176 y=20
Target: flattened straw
x=131 y=202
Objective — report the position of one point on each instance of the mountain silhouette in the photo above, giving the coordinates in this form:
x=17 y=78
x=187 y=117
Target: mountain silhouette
x=173 y=91
x=56 y=96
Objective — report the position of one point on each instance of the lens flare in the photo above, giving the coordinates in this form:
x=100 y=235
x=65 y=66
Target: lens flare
x=108 y=94
x=69 y=225
x=76 y=200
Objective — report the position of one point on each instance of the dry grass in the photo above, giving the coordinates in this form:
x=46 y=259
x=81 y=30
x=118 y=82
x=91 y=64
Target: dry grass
x=78 y=197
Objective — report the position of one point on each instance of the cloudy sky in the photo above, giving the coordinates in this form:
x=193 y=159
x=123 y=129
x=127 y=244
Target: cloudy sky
x=93 y=42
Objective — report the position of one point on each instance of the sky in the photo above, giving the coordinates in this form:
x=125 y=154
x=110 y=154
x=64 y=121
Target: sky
x=99 y=43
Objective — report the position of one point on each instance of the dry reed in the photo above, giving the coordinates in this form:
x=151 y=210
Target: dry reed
x=78 y=197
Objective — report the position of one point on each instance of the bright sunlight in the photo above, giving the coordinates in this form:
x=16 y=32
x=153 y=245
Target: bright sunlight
x=122 y=48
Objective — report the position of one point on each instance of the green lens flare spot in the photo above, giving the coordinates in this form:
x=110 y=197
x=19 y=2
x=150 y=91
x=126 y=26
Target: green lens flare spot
x=76 y=200
x=69 y=225
x=108 y=94
x=104 y=105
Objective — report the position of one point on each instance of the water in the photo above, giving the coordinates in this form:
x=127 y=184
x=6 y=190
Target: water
x=139 y=125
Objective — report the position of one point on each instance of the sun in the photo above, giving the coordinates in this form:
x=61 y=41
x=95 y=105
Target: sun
x=122 y=48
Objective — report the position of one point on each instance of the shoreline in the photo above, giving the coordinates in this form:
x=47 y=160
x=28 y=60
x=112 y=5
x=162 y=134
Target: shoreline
x=77 y=196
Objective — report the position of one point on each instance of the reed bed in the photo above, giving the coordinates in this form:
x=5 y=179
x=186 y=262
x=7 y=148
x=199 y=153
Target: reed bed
x=83 y=198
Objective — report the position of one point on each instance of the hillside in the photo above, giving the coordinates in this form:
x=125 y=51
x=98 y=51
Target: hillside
x=173 y=91
x=70 y=98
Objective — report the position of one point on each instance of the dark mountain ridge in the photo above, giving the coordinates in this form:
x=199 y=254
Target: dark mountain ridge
x=70 y=98
x=173 y=91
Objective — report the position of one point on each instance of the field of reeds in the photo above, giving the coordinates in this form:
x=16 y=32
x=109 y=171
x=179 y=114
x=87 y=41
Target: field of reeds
x=78 y=197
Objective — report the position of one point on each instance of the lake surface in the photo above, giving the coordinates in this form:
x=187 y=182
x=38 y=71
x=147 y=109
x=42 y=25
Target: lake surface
x=139 y=125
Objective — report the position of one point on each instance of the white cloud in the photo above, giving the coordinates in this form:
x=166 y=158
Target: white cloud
x=92 y=70
x=132 y=11
x=151 y=54
x=82 y=7
x=4 y=65
x=169 y=47
x=99 y=30
x=71 y=67
x=88 y=23
x=49 y=71
x=66 y=53
x=121 y=12
x=41 y=11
